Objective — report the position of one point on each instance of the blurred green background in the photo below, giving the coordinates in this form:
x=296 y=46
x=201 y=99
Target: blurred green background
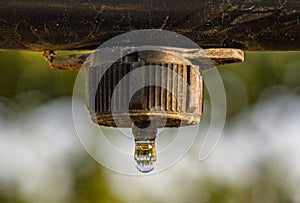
x=42 y=160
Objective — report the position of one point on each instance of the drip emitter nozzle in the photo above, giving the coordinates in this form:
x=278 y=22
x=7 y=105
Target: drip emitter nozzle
x=170 y=97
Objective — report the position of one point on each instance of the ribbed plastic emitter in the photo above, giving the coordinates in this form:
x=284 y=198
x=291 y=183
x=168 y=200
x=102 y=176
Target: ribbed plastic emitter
x=177 y=92
x=170 y=96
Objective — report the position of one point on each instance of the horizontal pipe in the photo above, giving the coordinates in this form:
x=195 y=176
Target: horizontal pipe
x=76 y=24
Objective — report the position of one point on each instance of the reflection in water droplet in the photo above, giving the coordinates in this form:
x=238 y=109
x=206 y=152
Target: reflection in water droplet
x=145 y=155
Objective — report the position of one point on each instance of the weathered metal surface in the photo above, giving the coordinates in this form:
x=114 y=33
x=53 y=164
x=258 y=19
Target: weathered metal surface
x=65 y=62
x=218 y=56
x=78 y=24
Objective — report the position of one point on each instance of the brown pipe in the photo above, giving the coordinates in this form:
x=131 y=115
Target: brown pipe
x=76 y=24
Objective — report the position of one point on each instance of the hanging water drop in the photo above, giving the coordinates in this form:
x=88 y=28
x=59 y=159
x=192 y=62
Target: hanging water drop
x=145 y=155
x=145 y=152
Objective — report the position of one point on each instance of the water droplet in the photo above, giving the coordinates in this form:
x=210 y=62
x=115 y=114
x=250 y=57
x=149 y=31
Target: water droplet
x=145 y=155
